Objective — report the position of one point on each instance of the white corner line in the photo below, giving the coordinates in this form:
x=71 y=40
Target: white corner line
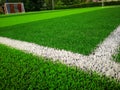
x=99 y=61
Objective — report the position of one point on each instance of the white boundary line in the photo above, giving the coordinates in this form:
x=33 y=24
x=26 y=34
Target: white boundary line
x=99 y=61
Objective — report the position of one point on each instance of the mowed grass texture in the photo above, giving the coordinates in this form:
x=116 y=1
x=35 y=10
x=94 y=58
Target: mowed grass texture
x=79 y=33
x=23 y=71
x=8 y=20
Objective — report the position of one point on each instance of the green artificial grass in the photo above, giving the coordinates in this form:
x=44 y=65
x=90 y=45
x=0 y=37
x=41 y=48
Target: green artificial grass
x=79 y=33
x=8 y=20
x=117 y=56
x=22 y=71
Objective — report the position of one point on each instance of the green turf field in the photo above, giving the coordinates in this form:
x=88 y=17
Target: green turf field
x=13 y=19
x=117 y=56
x=23 y=71
x=78 y=32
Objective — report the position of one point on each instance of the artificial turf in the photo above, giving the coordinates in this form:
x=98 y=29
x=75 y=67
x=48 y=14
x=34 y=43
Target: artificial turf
x=79 y=33
x=117 y=56
x=22 y=71
x=13 y=19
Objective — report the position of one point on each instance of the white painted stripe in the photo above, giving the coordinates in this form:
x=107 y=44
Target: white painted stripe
x=99 y=60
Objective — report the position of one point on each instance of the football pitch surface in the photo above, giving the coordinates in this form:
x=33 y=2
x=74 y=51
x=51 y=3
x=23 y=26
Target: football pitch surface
x=79 y=31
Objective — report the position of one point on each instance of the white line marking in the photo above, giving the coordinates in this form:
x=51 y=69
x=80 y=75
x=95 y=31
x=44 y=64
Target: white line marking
x=100 y=61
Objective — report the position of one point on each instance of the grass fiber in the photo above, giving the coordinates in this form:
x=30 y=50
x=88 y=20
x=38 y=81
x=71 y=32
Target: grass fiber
x=22 y=71
x=117 y=56
x=79 y=33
